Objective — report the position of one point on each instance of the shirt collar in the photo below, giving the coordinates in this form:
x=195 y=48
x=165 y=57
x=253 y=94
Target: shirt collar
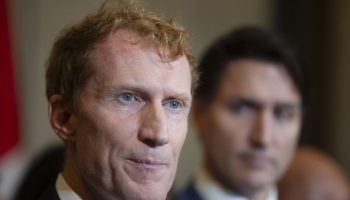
x=210 y=189
x=64 y=191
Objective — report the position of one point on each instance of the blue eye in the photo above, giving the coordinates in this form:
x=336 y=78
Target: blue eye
x=127 y=96
x=174 y=104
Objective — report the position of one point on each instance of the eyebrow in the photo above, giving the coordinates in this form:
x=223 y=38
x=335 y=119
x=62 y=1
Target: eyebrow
x=291 y=106
x=246 y=101
x=258 y=105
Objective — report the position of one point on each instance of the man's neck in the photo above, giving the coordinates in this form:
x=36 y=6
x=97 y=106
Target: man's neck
x=206 y=184
x=73 y=179
x=262 y=194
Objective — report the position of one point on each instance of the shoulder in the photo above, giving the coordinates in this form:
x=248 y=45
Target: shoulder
x=189 y=193
x=49 y=193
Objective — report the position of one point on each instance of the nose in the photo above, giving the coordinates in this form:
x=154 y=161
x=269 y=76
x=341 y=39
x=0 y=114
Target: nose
x=262 y=131
x=154 y=130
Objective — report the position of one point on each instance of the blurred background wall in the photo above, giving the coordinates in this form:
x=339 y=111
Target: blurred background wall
x=317 y=29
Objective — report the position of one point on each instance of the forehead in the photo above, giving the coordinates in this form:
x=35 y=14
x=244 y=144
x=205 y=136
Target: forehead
x=258 y=80
x=123 y=58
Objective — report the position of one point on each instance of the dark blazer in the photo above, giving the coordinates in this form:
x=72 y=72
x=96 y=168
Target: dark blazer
x=190 y=193
x=50 y=193
x=42 y=172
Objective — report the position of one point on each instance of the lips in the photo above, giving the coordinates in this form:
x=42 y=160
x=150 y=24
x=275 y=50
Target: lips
x=257 y=161
x=146 y=170
x=147 y=162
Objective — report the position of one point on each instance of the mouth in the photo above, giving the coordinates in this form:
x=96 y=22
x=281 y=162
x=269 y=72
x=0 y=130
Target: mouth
x=254 y=161
x=257 y=161
x=147 y=163
x=147 y=170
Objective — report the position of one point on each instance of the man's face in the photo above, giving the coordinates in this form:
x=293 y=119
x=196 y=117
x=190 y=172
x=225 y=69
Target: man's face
x=131 y=121
x=250 y=128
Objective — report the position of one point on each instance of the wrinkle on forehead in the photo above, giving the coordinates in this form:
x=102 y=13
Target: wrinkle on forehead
x=124 y=36
x=117 y=61
x=122 y=41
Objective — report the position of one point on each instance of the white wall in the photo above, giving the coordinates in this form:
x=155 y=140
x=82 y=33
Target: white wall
x=37 y=23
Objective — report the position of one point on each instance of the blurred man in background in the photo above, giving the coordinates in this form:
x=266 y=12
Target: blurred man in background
x=313 y=175
x=119 y=87
x=248 y=110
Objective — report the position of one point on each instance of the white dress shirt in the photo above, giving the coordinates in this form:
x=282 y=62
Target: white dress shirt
x=210 y=189
x=64 y=191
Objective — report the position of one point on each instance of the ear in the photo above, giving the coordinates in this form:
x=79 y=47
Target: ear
x=62 y=120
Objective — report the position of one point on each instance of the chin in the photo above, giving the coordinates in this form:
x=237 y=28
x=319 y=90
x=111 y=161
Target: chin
x=249 y=184
x=149 y=191
x=258 y=183
x=146 y=195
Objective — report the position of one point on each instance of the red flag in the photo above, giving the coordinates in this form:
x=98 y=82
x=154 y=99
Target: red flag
x=9 y=135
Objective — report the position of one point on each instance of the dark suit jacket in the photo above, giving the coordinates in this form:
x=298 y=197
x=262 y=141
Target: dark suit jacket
x=50 y=193
x=41 y=174
x=190 y=193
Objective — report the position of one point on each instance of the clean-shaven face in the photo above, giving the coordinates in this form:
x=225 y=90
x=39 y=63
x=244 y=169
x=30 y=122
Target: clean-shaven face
x=132 y=119
x=250 y=128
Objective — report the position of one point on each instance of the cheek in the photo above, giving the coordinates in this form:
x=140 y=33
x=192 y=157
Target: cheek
x=288 y=138
x=222 y=141
x=285 y=146
x=100 y=135
x=109 y=131
x=177 y=131
x=226 y=133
